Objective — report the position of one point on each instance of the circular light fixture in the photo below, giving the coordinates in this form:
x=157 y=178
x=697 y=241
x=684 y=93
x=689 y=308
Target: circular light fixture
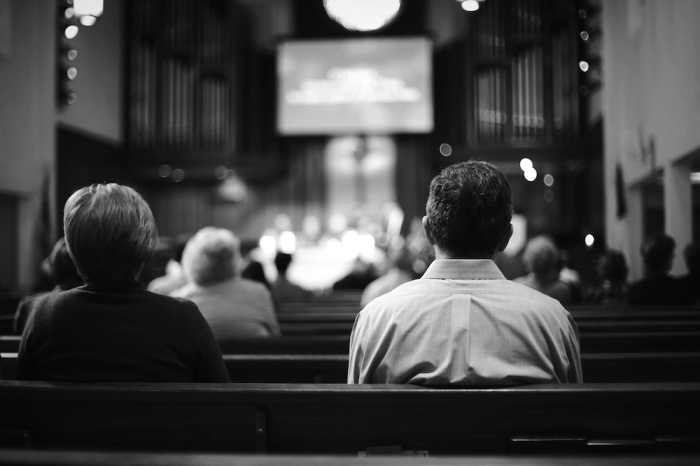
x=72 y=72
x=470 y=5
x=164 y=171
x=446 y=149
x=589 y=240
x=530 y=174
x=71 y=31
x=525 y=164
x=70 y=98
x=72 y=54
x=583 y=65
x=178 y=175
x=220 y=172
x=362 y=15
x=549 y=195
x=88 y=20
x=548 y=180
x=585 y=35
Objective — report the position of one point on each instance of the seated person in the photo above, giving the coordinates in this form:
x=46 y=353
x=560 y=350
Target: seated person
x=233 y=306
x=361 y=275
x=690 y=283
x=63 y=274
x=253 y=269
x=658 y=286
x=282 y=288
x=463 y=323
x=541 y=257
x=400 y=272
x=174 y=277
x=112 y=330
x=612 y=270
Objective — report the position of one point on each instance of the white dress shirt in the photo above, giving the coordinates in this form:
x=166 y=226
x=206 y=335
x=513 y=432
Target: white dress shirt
x=463 y=323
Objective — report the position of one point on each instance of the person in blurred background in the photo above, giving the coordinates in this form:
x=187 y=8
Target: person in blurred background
x=541 y=257
x=60 y=269
x=253 y=269
x=614 y=287
x=361 y=275
x=657 y=286
x=282 y=288
x=112 y=330
x=400 y=272
x=690 y=283
x=234 y=307
x=174 y=277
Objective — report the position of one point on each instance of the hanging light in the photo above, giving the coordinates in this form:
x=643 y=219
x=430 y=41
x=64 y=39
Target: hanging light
x=362 y=15
x=87 y=11
x=470 y=5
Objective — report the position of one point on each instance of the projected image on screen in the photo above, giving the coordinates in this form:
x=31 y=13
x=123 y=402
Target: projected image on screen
x=373 y=86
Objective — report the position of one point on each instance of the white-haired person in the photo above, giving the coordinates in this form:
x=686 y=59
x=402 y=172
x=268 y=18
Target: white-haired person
x=111 y=329
x=234 y=307
x=543 y=260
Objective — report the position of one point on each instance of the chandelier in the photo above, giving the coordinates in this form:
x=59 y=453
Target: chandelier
x=362 y=15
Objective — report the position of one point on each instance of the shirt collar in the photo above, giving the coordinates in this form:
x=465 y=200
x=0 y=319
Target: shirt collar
x=463 y=269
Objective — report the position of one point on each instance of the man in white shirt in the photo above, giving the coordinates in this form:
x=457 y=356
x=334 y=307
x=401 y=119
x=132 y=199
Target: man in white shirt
x=463 y=323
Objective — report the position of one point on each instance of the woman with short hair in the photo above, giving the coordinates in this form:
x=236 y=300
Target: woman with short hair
x=111 y=329
x=234 y=307
x=543 y=260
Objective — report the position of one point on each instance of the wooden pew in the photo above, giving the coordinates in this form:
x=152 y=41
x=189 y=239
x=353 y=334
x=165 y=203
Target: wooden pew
x=605 y=342
x=9 y=343
x=343 y=419
x=642 y=342
x=337 y=302
x=82 y=458
x=317 y=320
x=333 y=368
x=317 y=323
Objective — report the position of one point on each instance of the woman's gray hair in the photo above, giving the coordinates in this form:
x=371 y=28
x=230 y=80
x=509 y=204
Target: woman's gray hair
x=211 y=256
x=541 y=256
x=110 y=232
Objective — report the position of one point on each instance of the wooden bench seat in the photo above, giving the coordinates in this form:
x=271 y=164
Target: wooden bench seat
x=341 y=419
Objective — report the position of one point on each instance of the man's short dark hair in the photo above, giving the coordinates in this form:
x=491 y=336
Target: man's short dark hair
x=282 y=262
x=469 y=209
x=110 y=232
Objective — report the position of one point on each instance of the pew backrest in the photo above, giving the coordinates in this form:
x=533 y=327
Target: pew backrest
x=346 y=419
x=333 y=368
